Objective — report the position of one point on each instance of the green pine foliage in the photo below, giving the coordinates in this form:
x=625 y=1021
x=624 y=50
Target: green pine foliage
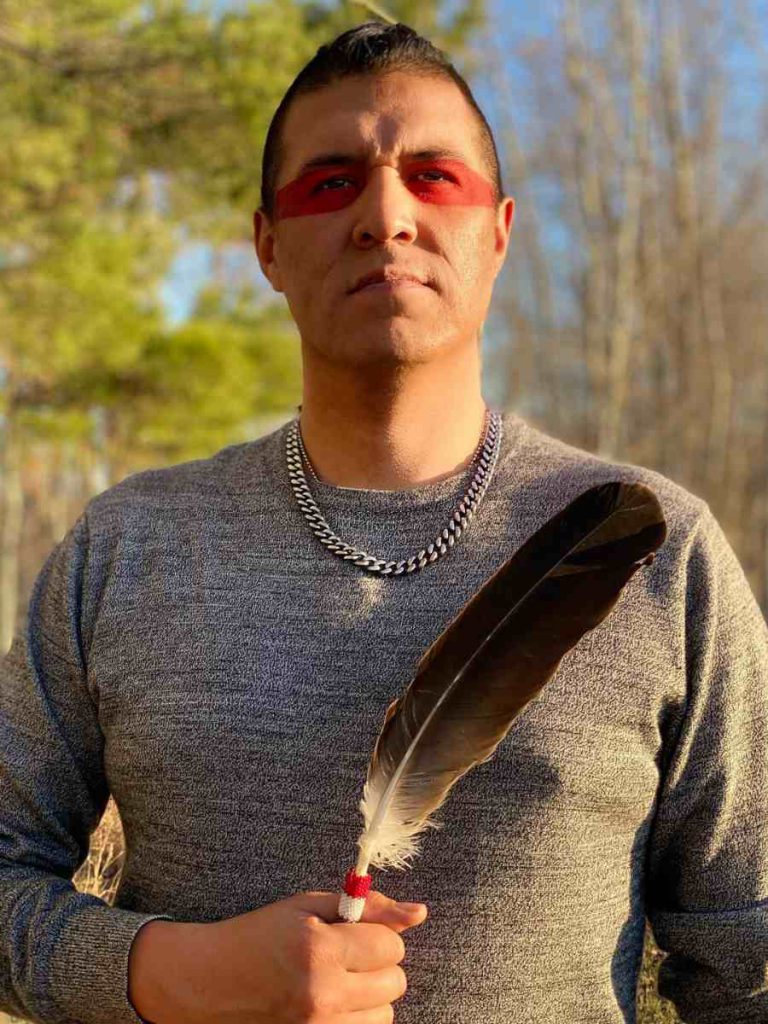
x=128 y=129
x=131 y=128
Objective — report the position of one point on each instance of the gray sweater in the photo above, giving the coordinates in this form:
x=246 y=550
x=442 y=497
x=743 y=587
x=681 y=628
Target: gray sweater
x=192 y=648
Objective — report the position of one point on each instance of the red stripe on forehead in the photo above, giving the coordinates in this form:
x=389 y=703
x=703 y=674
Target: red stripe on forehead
x=459 y=186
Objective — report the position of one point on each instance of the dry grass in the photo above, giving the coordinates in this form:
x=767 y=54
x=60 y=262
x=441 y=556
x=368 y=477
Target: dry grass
x=651 y=1008
x=100 y=875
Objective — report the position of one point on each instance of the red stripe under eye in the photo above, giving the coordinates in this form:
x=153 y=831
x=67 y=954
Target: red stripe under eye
x=302 y=197
x=461 y=186
x=465 y=187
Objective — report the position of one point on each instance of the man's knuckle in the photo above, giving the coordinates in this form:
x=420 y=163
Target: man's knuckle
x=318 y=997
x=319 y=1002
x=403 y=979
x=318 y=948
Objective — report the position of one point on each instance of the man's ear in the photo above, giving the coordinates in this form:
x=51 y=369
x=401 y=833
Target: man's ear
x=264 y=243
x=503 y=228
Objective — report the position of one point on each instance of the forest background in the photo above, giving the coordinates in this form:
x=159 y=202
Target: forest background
x=136 y=330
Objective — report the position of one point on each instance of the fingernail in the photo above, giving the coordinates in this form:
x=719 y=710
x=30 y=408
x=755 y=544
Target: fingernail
x=414 y=908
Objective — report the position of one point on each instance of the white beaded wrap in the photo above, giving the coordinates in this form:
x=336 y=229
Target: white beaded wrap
x=351 y=907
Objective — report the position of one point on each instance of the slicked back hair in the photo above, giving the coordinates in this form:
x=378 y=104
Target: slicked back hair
x=373 y=48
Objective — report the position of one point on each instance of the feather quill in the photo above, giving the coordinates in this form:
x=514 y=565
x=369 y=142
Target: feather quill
x=494 y=658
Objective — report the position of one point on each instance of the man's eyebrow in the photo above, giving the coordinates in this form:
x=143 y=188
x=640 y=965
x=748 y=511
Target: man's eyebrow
x=331 y=159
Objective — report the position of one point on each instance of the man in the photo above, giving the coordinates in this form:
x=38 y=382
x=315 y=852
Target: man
x=216 y=644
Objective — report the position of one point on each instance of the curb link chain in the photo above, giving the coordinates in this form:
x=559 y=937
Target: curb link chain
x=444 y=541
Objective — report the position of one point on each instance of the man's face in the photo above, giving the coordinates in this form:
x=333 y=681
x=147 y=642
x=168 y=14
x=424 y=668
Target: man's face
x=376 y=206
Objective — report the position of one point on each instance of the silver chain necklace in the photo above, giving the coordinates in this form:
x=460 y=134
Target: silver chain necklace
x=488 y=450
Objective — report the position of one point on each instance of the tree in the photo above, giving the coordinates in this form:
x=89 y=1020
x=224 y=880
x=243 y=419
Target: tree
x=637 y=302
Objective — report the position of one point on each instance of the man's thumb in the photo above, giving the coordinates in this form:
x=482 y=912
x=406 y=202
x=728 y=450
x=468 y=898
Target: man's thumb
x=383 y=910
x=379 y=909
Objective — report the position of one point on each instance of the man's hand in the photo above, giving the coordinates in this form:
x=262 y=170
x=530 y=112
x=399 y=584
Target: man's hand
x=290 y=962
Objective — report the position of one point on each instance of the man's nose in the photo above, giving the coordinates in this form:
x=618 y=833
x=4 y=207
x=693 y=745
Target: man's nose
x=385 y=208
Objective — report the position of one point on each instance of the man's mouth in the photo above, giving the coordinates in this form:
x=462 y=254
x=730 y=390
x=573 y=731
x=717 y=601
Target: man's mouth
x=389 y=286
x=382 y=280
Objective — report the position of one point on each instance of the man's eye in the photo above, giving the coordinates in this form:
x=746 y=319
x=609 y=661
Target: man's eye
x=439 y=173
x=327 y=185
x=329 y=181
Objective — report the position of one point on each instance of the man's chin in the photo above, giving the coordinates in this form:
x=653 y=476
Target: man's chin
x=377 y=344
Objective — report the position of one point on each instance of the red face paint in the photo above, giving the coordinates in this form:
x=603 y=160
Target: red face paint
x=322 y=190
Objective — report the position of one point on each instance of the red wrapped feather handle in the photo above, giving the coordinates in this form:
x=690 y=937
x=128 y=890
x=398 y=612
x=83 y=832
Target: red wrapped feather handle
x=352 y=902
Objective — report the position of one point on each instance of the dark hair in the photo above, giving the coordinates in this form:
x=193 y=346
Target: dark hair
x=369 y=49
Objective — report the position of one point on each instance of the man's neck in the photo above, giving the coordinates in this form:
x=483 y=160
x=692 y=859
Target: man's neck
x=361 y=431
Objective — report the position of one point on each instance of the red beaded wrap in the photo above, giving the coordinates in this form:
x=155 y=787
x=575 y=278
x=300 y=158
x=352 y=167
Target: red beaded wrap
x=356 y=885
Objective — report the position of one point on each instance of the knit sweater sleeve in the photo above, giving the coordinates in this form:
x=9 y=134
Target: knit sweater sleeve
x=707 y=895
x=63 y=954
